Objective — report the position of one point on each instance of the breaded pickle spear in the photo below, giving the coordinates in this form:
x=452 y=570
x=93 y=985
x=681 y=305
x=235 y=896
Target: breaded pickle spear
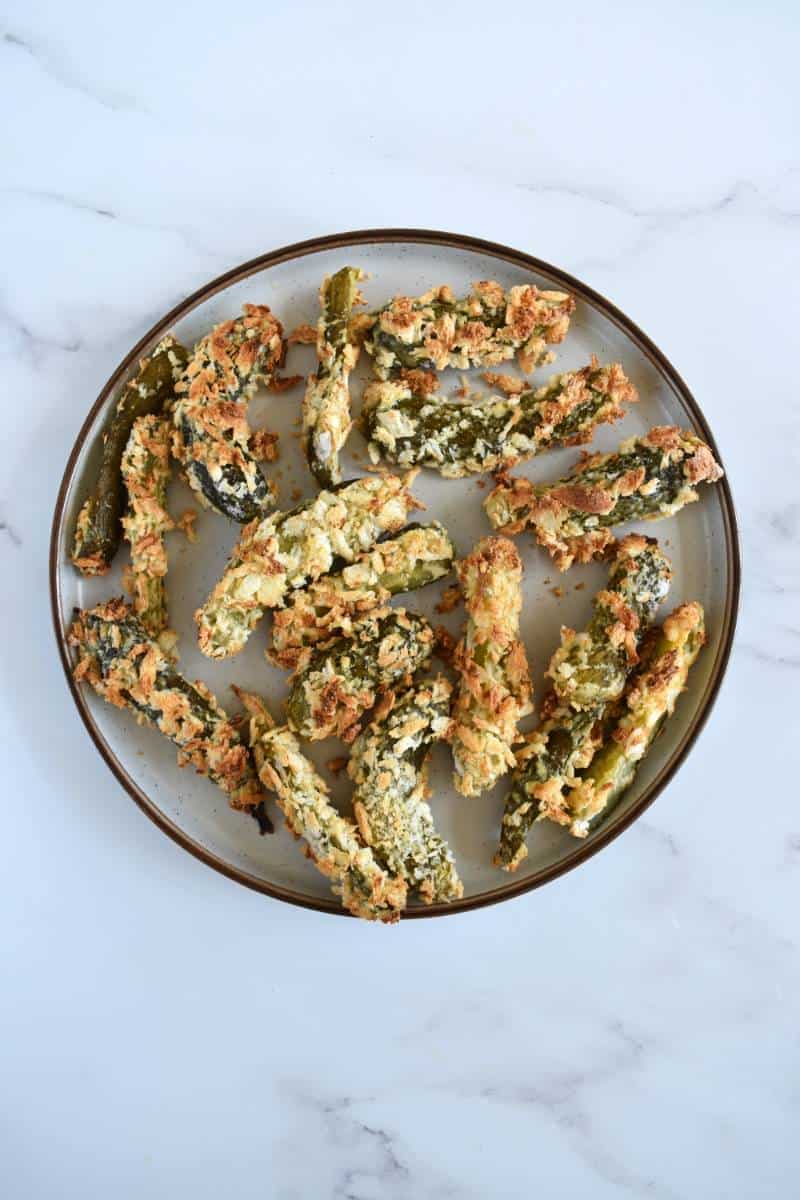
x=649 y=477
x=341 y=681
x=210 y=414
x=332 y=842
x=460 y=439
x=145 y=473
x=327 y=609
x=388 y=765
x=494 y=688
x=98 y=530
x=128 y=669
x=591 y=668
x=486 y=327
x=326 y=405
x=650 y=699
x=565 y=741
x=290 y=549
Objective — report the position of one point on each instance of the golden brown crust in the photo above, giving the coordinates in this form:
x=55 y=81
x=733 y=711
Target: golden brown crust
x=224 y=368
x=135 y=680
x=581 y=499
x=145 y=473
x=302 y=335
x=486 y=327
x=421 y=383
x=568 y=517
x=264 y=445
x=510 y=385
x=494 y=689
x=92 y=564
x=451 y=598
x=186 y=523
x=702 y=467
x=283 y=383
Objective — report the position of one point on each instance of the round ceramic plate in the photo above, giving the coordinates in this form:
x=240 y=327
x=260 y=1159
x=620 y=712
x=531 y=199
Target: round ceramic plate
x=701 y=541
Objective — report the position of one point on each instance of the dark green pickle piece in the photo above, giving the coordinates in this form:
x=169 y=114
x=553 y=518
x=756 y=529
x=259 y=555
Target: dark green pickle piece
x=98 y=529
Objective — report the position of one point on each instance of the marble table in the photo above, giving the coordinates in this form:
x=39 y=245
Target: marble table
x=630 y=1030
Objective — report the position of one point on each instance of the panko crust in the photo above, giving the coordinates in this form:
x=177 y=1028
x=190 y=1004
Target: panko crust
x=487 y=327
x=329 y=608
x=343 y=680
x=647 y=478
x=332 y=842
x=288 y=550
x=388 y=765
x=211 y=434
x=649 y=701
x=145 y=473
x=130 y=670
x=591 y=666
x=494 y=689
x=494 y=433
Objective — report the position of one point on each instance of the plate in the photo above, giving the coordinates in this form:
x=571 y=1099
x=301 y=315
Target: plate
x=702 y=542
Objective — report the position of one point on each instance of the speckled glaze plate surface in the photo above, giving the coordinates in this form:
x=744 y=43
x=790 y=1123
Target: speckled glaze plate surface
x=701 y=541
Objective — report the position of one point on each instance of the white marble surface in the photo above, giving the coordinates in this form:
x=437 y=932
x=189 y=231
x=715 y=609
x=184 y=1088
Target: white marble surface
x=630 y=1030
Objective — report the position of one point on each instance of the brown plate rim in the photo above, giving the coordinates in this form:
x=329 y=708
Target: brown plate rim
x=512 y=888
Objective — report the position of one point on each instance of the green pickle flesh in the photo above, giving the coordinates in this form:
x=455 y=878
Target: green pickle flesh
x=98 y=529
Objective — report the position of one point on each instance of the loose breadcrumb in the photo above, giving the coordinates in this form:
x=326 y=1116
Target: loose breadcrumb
x=451 y=598
x=303 y=335
x=187 y=523
x=283 y=383
x=444 y=645
x=512 y=385
x=264 y=445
